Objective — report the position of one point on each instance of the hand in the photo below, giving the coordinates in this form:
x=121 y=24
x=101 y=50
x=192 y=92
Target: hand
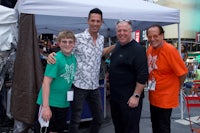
x=51 y=59
x=46 y=113
x=133 y=102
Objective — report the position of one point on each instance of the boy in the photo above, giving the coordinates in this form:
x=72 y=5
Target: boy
x=57 y=82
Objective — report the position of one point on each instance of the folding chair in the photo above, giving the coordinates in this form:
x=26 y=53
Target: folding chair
x=190 y=103
x=196 y=86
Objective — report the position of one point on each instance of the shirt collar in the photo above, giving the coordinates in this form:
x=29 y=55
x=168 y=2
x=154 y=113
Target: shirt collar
x=88 y=36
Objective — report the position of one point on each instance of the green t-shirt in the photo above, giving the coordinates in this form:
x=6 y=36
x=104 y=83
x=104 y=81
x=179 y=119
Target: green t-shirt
x=62 y=72
x=197 y=74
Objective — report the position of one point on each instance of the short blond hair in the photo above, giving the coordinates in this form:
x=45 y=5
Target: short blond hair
x=66 y=34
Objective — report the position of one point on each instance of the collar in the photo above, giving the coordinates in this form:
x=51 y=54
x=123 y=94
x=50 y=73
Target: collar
x=88 y=36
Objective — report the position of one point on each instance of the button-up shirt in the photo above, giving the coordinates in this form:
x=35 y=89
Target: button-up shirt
x=88 y=57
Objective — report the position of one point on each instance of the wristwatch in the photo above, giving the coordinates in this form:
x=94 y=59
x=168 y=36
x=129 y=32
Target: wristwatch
x=136 y=95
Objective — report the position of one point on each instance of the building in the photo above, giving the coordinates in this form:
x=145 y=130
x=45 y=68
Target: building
x=189 y=23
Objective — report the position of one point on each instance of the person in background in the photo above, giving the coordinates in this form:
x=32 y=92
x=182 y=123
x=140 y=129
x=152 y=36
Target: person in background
x=167 y=73
x=57 y=82
x=195 y=84
x=88 y=51
x=128 y=75
x=190 y=67
x=143 y=43
x=184 y=53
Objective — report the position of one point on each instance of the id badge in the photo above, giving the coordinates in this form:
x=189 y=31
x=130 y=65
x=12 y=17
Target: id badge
x=151 y=85
x=70 y=95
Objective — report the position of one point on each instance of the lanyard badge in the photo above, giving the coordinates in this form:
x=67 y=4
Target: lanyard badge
x=152 y=85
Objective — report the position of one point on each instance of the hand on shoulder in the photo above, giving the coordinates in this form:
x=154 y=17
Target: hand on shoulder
x=51 y=59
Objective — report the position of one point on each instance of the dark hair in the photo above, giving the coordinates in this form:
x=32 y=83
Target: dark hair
x=185 y=48
x=97 y=11
x=158 y=26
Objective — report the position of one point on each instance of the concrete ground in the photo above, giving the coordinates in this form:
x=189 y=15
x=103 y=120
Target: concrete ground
x=178 y=125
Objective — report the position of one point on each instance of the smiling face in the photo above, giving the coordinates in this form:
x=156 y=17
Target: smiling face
x=94 y=22
x=66 y=45
x=155 y=37
x=124 y=32
x=66 y=41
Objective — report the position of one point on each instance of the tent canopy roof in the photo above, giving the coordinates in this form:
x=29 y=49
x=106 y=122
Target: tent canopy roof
x=56 y=15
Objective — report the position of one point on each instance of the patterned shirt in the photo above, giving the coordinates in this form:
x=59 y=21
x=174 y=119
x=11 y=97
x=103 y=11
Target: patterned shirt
x=88 y=57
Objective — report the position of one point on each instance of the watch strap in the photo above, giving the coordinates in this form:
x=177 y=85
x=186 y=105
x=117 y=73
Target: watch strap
x=136 y=95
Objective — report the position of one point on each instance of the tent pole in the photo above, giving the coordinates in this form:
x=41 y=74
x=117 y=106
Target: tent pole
x=181 y=99
x=181 y=90
x=179 y=39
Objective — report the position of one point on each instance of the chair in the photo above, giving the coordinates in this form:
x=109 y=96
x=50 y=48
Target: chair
x=196 y=86
x=192 y=102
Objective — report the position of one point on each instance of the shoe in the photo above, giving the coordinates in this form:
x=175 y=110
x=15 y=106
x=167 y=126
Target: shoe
x=195 y=95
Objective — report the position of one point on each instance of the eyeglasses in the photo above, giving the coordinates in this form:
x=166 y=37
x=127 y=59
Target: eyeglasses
x=128 y=21
x=65 y=42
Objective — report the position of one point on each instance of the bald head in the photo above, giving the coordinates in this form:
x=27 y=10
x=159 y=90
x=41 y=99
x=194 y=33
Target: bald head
x=124 y=32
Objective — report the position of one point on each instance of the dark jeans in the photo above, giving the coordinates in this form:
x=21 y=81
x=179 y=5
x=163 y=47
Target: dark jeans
x=93 y=99
x=126 y=119
x=160 y=119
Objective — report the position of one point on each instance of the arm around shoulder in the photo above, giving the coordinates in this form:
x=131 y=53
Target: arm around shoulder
x=108 y=50
x=51 y=59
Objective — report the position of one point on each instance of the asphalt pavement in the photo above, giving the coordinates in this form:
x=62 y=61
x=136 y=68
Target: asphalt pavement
x=178 y=124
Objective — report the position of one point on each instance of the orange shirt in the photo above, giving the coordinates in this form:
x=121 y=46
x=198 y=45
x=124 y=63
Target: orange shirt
x=165 y=65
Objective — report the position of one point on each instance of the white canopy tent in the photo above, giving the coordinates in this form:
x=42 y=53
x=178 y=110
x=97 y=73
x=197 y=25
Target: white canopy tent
x=53 y=16
x=8 y=28
x=56 y=15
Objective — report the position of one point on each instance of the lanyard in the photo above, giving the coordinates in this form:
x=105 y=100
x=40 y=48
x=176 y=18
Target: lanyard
x=154 y=60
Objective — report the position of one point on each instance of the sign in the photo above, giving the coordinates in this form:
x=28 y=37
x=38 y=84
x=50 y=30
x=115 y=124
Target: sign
x=137 y=35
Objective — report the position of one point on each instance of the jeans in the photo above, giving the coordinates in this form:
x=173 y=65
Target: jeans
x=93 y=99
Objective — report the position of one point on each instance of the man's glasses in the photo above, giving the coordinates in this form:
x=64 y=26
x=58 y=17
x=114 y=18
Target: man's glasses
x=67 y=42
x=128 y=21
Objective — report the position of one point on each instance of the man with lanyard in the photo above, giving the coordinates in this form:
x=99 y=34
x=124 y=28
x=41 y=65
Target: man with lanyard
x=167 y=73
